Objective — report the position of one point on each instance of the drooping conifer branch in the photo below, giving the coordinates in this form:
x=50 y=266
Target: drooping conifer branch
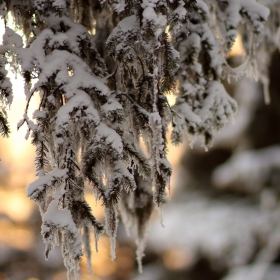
x=102 y=96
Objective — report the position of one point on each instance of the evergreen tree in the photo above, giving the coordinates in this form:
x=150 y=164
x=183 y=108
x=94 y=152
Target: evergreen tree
x=102 y=70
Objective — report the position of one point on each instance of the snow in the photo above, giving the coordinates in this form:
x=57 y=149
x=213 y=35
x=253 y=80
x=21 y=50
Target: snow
x=216 y=228
x=120 y=171
x=61 y=218
x=180 y=12
x=165 y=163
x=119 y=6
x=255 y=271
x=58 y=40
x=109 y=136
x=202 y=6
x=155 y=124
x=36 y=53
x=150 y=16
x=252 y=10
x=220 y=100
x=80 y=101
x=111 y=105
x=59 y=4
x=58 y=59
x=176 y=54
x=39 y=114
x=194 y=42
x=248 y=169
x=12 y=39
x=3 y=10
x=45 y=181
x=51 y=99
x=247 y=104
x=111 y=227
x=128 y=24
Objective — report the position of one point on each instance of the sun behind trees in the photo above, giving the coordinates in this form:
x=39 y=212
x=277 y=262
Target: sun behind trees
x=102 y=70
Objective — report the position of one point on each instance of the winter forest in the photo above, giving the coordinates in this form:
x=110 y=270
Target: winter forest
x=140 y=139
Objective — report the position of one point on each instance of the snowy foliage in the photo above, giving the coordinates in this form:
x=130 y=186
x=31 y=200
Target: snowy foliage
x=228 y=231
x=249 y=171
x=212 y=227
x=203 y=104
x=100 y=97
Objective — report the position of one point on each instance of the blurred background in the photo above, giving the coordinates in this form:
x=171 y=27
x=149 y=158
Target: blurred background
x=222 y=221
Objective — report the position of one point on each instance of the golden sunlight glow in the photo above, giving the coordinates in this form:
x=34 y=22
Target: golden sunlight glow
x=60 y=276
x=237 y=48
x=171 y=99
x=15 y=236
x=23 y=239
x=102 y=264
x=125 y=262
x=101 y=261
x=96 y=205
x=17 y=160
x=177 y=258
x=83 y=275
x=15 y=204
x=174 y=156
x=17 y=170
